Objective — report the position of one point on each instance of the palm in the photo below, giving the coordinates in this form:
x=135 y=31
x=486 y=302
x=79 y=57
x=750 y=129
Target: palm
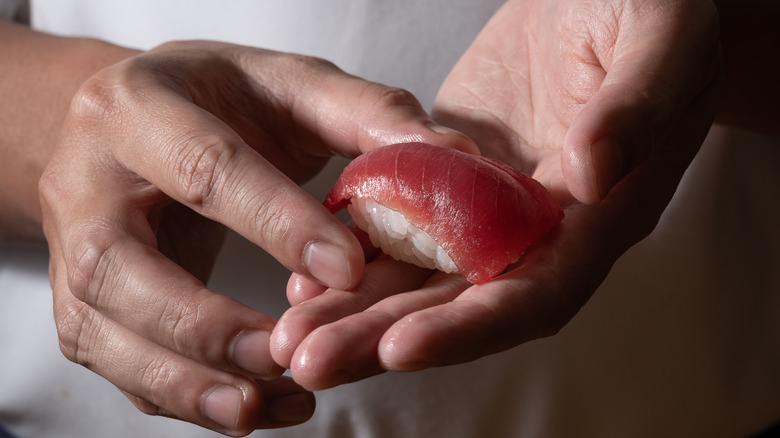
x=535 y=94
x=512 y=98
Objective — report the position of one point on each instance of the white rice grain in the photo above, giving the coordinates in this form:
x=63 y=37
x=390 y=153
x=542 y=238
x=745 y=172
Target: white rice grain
x=390 y=231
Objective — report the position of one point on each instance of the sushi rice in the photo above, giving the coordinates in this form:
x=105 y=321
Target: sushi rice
x=390 y=231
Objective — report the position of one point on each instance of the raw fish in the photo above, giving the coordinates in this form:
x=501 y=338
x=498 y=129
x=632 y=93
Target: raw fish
x=481 y=212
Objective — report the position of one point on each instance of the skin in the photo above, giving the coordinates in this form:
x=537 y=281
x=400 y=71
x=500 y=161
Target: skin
x=539 y=89
x=575 y=94
x=120 y=187
x=141 y=162
x=32 y=59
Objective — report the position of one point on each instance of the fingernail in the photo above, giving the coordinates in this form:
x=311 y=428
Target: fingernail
x=442 y=130
x=293 y=408
x=251 y=352
x=607 y=161
x=327 y=263
x=222 y=406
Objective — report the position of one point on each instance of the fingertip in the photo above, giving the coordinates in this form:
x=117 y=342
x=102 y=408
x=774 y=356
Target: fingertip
x=282 y=347
x=223 y=405
x=292 y=408
x=286 y=403
x=577 y=168
x=291 y=330
x=325 y=361
x=604 y=143
x=249 y=352
x=393 y=357
x=594 y=170
x=404 y=348
x=314 y=374
x=301 y=289
x=334 y=265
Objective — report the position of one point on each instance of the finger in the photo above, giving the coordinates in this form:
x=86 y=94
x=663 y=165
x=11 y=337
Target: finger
x=300 y=288
x=648 y=88
x=199 y=161
x=547 y=287
x=285 y=404
x=225 y=180
x=144 y=291
x=385 y=277
x=175 y=385
x=110 y=263
x=349 y=114
x=531 y=301
x=283 y=92
x=345 y=350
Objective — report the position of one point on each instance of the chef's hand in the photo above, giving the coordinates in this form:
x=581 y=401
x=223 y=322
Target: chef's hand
x=159 y=154
x=605 y=103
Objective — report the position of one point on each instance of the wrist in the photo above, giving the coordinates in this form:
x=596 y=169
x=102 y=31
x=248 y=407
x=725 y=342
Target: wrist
x=40 y=75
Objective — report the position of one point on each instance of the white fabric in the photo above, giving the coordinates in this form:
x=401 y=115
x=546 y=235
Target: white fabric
x=681 y=340
x=405 y=43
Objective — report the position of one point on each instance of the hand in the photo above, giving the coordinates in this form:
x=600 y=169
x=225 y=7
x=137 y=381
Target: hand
x=156 y=156
x=605 y=103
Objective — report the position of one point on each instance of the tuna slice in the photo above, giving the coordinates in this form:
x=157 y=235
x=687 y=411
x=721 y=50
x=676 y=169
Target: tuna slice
x=481 y=212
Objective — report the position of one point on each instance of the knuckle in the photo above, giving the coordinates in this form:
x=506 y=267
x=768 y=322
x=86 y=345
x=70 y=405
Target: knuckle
x=52 y=189
x=76 y=326
x=276 y=227
x=90 y=262
x=274 y=214
x=98 y=100
x=188 y=326
x=179 y=322
x=392 y=97
x=201 y=166
x=299 y=62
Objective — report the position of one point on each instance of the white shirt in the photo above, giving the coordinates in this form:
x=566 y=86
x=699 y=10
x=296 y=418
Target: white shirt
x=681 y=339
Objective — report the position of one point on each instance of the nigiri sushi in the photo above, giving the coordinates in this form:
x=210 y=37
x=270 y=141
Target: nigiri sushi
x=444 y=209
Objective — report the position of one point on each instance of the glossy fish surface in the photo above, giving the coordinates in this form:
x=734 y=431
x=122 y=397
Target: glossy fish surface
x=482 y=212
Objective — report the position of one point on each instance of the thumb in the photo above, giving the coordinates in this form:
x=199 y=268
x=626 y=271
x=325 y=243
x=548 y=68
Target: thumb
x=651 y=87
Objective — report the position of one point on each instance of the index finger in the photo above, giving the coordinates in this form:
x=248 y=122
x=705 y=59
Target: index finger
x=200 y=161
